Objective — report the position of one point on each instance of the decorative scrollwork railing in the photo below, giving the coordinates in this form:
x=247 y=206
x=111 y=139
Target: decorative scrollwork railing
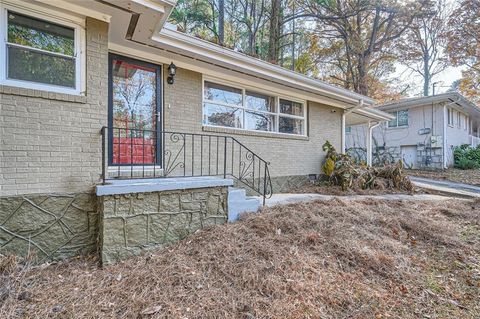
x=137 y=153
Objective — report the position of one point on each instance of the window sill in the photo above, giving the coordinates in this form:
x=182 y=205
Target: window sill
x=13 y=90
x=398 y=127
x=227 y=130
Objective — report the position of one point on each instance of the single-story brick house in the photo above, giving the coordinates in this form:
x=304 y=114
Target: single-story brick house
x=114 y=125
x=423 y=131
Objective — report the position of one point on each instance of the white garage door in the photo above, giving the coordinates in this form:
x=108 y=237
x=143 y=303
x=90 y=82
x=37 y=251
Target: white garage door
x=409 y=155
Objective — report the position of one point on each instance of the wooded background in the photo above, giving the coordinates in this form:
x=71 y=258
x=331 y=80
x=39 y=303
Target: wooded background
x=356 y=44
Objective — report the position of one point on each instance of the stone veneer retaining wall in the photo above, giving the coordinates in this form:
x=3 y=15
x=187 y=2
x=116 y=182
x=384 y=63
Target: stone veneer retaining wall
x=134 y=222
x=48 y=227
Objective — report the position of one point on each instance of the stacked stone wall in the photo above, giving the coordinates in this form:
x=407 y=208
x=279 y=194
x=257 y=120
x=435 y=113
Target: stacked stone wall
x=133 y=223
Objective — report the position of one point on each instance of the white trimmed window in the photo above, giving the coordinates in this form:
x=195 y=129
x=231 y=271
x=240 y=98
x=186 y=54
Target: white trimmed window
x=41 y=52
x=450 y=117
x=242 y=108
x=401 y=119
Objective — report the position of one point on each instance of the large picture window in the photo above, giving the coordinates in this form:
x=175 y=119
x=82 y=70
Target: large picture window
x=40 y=53
x=241 y=108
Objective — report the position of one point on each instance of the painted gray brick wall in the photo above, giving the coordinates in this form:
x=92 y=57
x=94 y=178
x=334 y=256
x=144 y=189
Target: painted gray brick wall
x=50 y=142
x=289 y=156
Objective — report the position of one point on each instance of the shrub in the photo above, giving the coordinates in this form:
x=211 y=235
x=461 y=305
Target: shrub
x=466 y=157
x=342 y=171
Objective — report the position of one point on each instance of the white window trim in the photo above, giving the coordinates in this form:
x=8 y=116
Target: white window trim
x=55 y=17
x=244 y=88
x=451 y=117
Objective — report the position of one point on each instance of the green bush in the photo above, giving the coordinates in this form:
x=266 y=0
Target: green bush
x=466 y=157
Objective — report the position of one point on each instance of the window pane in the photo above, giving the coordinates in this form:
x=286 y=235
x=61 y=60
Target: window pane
x=403 y=118
x=38 y=67
x=222 y=93
x=222 y=115
x=393 y=122
x=259 y=121
x=259 y=102
x=289 y=125
x=134 y=96
x=290 y=107
x=40 y=34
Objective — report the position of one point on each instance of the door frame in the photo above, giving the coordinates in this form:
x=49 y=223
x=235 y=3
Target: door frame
x=158 y=102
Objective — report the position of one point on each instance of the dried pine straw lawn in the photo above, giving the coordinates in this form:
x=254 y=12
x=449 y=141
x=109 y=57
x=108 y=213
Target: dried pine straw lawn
x=367 y=259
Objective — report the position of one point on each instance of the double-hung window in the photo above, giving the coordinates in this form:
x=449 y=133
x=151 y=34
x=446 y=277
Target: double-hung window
x=242 y=108
x=41 y=53
x=450 y=117
x=401 y=119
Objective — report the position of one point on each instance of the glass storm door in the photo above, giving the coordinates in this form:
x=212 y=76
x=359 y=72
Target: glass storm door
x=134 y=112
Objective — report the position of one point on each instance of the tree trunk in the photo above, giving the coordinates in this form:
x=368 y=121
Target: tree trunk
x=362 y=85
x=275 y=31
x=221 y=21
x=251 y=32
x=426 y=76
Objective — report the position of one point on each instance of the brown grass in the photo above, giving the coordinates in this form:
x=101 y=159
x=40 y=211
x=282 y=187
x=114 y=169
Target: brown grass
x=366 y=259
x=326 y=189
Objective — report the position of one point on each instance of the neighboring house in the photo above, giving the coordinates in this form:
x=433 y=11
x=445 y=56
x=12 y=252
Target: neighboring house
x=423 y=133
x=102 y=109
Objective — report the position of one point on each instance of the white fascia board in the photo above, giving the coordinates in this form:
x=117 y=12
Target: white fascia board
x=224 y=57
x=428 y=100
x=375 y=114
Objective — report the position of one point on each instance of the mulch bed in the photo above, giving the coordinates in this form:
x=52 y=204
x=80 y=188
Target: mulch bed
x=335 y=259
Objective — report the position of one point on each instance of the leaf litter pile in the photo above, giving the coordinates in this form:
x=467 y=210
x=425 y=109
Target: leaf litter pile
x=335 y=259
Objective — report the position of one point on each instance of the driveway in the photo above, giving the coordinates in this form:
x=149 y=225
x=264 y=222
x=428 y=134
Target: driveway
x=451 y=188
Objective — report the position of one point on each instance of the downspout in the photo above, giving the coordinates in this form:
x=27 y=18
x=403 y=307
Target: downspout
x=344 y=146
x=445 y=135
x=370 y=142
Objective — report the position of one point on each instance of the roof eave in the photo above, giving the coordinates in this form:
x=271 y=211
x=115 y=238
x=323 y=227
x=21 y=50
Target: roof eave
x=204 y=50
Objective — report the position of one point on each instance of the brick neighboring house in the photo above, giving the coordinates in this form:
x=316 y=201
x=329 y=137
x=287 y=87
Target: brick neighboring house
x=103 y=109
x=424 y=131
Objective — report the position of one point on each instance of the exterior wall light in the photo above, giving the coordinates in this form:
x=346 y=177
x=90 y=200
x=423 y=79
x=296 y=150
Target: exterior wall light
x=172 y=70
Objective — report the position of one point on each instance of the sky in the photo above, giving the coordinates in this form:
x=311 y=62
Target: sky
x=446 y=78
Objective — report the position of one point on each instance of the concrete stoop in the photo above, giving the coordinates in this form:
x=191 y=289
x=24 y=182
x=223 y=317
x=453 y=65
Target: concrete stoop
x=239 y=203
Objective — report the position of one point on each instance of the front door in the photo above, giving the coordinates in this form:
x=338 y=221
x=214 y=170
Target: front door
x=134 y=112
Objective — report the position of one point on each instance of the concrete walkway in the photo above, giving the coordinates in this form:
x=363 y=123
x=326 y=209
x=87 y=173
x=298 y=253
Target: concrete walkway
x=447 y=187
x=284 y=199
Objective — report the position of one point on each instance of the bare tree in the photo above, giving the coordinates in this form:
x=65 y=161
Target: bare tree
x=366 y=29
x=422 y=48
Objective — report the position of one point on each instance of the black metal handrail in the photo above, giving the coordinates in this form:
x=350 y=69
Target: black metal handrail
x=139 y=153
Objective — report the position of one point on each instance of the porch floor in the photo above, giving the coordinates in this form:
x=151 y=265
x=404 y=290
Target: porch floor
x=129 y=186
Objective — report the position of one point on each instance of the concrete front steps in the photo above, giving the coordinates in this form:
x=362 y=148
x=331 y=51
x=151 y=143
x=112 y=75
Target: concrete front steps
x=239 y=203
